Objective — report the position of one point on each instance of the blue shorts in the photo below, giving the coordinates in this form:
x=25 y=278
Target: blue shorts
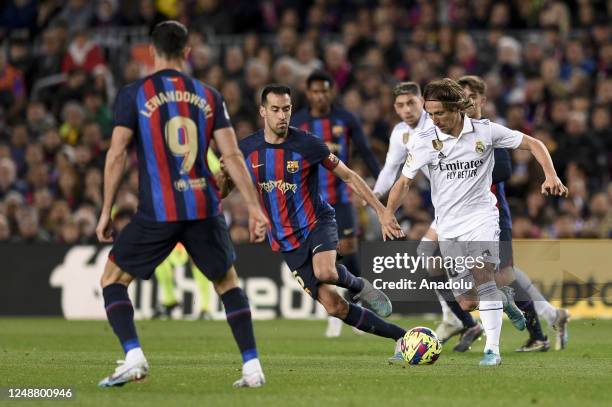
x=506 y=255
x=323 y=237
x=142 y=245
x=345 y=219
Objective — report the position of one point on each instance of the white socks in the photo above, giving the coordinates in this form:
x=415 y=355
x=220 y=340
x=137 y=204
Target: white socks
x=134 y=355
x=543 y=308
x=491 y=311
x=251 y=367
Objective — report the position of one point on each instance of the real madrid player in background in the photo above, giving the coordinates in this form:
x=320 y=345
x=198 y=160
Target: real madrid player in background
x=528 y=298
x=172 y=119
x=284 y=163
x=338 y=128
x=458 y=152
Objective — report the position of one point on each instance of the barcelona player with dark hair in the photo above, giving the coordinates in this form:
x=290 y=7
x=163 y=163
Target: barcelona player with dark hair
x=339 y=129
x=284 y=164
x=171 y=120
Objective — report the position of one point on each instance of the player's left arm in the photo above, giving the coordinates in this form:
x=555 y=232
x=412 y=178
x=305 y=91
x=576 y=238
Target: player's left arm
x=503 y=137
x=391 y=228
x=116 y=160
x=362 y=145
x=552 y=184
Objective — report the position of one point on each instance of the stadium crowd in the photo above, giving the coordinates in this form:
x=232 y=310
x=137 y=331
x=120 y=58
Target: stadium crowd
x=547 y=65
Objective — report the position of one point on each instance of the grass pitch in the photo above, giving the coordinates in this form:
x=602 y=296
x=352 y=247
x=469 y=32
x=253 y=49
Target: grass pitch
x=195 y=363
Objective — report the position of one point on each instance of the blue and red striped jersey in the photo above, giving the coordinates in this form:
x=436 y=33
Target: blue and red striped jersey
x=287 y=178
x=338 y=129
x=173 y=118
x=505 y=219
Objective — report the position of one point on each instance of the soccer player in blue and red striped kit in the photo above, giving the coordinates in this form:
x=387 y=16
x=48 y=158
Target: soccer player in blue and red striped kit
x=171 y=119
x=284 y=163
x=339 y=129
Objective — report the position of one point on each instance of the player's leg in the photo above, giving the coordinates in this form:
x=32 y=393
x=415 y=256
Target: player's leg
x=209 y=245
x=556 y=317
x=483 y=244
x=355 y=315
x=347 y=250
x=506 y=281
x=204 y=289
x=327 y=271
x=140 y=248
x=454 y=319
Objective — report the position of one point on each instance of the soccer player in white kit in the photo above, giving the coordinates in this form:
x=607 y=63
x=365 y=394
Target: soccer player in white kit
x=458 y=152
x=408 y=104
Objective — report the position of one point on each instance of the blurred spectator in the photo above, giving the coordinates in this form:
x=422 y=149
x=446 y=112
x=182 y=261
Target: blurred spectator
x=82 y=53
x=12 y=89
x=547 y=65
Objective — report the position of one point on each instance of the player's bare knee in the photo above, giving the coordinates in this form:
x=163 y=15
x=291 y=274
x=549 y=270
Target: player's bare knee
x=114 y=275
x=326 y=273
x=229 y=281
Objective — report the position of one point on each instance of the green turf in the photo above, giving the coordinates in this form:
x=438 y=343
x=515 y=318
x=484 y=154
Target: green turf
x=195 y=363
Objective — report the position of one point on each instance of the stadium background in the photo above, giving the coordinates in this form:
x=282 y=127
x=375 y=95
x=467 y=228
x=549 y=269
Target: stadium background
x=547 y=64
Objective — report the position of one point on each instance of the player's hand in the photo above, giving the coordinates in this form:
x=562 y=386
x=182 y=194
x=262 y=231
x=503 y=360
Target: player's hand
x=258 y=224
x=391 y=229
x=104 y=228
x=554 y=186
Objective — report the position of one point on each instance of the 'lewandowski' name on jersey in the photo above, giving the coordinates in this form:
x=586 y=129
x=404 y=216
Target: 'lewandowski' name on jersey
x=461 y=172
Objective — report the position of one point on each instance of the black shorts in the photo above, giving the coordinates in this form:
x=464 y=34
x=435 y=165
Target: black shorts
x=322 y=238
x=345 y=219
x=142 y=245
x=506 y=255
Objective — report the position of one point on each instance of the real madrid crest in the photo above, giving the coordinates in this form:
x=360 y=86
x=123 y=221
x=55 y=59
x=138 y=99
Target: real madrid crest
x=480 y=147
x=292 y=166
x=405 y=137
x=437 y=144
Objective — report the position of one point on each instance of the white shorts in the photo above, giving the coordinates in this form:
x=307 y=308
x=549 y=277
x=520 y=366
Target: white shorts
x=470 y=250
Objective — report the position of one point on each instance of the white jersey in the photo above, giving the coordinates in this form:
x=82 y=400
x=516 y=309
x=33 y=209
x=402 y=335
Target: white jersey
x=461 y=172
x=398 y=150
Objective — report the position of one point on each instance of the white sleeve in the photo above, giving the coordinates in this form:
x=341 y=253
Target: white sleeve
x=503 y=137
x=395 y=158
x=418 y=157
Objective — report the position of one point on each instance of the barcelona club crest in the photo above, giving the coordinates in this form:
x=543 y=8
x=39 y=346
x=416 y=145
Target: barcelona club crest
x=437 y=144
x=480 y=147
x=405 y=137
x=293 y=167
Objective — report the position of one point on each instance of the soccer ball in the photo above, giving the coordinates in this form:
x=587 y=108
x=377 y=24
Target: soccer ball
x=420 y=346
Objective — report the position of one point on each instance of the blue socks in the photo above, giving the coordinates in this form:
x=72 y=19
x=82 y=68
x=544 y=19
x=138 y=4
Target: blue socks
x=369 y=322
x=351 y=261
x=120 y=314
x=238 y=314
x=348 y=280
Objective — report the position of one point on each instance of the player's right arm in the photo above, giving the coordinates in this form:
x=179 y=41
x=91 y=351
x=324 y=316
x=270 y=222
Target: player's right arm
x=116 y=159
x=396 y=155
x=234 y=164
